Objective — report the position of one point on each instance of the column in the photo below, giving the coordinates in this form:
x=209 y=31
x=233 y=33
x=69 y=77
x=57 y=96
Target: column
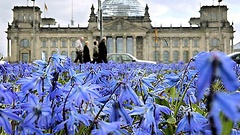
x=69 y=44
x=190 y=48
x=145 y=48
x=170 y=51
x=134 y=46
x=181 y=49
x=225 y=49
x=15 y=50
x=161 y=49
x=49 y=47
x=207 y=44
x=114 y=44
x=124 y=43
x=8 y=49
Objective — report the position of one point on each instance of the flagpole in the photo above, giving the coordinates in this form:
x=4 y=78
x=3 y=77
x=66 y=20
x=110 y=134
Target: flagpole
x=221 y=46
x=100 y=18
x=34 y=38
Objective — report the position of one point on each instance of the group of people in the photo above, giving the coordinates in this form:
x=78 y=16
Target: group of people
x=83 y=52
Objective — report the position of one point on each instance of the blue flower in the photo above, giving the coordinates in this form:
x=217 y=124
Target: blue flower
x=127 y=93
x=190 y=97
x=151 y=115
x=35 y=111
x=58 y=60
x=105 y=128
x=24 y=129
x=5 y=115
x=117 y=112
x=192 y=123
x=228 y=104
x=171 y=80
x=35 y=82
x=145 y=83
x=215 y=65
x=84 y=93
x=6 y=96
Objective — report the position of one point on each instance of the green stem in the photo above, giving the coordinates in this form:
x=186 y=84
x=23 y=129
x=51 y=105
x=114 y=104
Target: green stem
x=96 y=117
x=184 y=93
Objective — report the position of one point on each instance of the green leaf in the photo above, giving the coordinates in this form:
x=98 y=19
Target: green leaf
x=197 y=109
x=227 y=125
x=171 y=120
x=172 y=93
x=162 y=102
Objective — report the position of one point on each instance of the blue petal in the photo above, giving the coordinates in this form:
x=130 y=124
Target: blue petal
x=30 y=118
x=6 y=124
x=204 y=79
x=11 y=115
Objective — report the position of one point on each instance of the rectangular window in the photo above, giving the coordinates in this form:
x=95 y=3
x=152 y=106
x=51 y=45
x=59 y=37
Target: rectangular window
x=185 y=42
x=119 y=45
x=130 y=45
x=109 y=45
x=54 y=43
x=25 y=57
x=195 y=42
x=73 y=44
x=165 y=43
x=44 y=44
x=175 y=42
x=64 y=44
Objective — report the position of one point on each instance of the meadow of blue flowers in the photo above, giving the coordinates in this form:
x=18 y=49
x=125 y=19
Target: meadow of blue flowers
x=57 y=96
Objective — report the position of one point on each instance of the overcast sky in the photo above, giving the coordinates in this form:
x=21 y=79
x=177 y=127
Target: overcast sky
x=162 y=12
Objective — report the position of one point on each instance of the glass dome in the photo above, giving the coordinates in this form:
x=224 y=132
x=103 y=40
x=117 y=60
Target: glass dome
x=122 y=8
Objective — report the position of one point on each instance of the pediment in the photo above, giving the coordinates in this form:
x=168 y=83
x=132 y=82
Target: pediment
x=122 y=25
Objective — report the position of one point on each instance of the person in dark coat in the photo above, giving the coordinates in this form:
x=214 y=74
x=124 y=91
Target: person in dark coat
x=86 y=53
x=102 y=51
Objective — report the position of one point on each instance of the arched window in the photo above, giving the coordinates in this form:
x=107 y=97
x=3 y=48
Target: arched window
x=185 y=56
x=64 y=53
x=165 y=56
x=25 y=43
x=175 y=56
x=54 y=43
x=195 y=53
x=64 y=43
x=215 y=42
x=54 y=52
x=44 y=44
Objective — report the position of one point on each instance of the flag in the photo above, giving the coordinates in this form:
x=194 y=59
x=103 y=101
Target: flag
x=156 y=35
x=45 y=6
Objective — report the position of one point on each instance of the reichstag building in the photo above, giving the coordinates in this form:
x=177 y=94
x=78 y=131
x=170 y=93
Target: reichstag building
x=127 y=27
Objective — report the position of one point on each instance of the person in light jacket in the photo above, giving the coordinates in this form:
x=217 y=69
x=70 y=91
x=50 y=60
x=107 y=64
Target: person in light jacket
x=95 y=52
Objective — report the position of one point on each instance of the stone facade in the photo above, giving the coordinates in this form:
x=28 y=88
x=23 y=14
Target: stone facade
x=30 y=35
